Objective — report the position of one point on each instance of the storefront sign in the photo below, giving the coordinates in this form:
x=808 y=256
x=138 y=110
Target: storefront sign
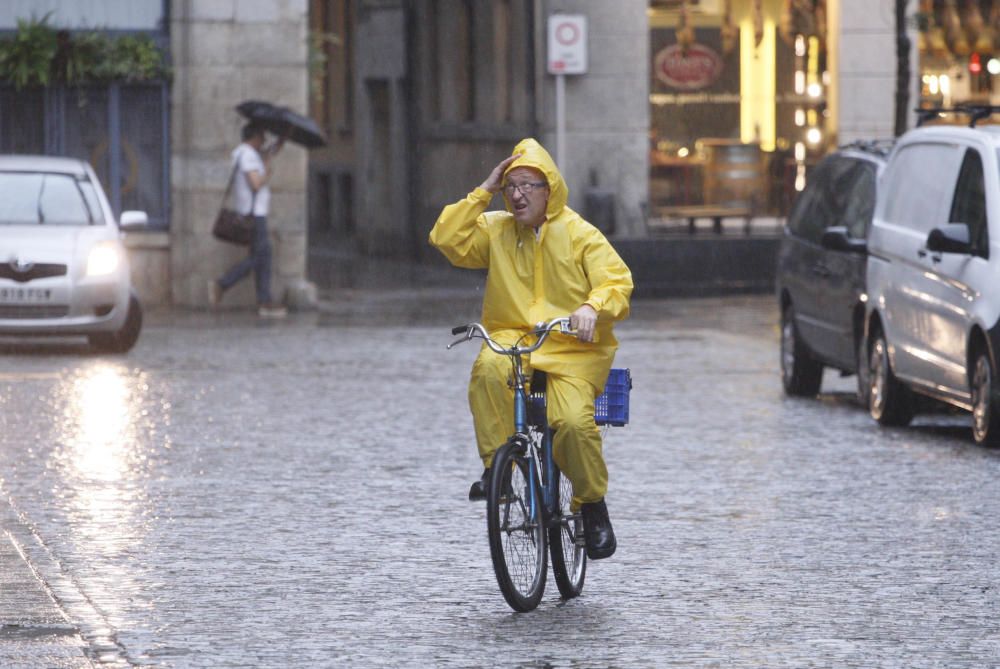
x=698 y=68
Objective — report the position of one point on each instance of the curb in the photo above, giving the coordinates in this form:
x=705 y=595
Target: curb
x=45 y=620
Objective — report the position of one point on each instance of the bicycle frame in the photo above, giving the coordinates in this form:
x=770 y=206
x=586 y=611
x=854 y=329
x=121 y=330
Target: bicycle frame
x=528 y=523
x=521 y=426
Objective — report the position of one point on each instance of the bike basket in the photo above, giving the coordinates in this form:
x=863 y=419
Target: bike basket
x=611 y=407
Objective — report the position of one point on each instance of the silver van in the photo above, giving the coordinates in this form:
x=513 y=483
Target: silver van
x=933 y=280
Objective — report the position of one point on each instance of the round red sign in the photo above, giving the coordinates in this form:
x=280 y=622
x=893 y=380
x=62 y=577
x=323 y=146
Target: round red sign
x=698 y=68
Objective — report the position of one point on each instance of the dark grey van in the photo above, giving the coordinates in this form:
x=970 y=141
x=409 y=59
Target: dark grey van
x=821 y=270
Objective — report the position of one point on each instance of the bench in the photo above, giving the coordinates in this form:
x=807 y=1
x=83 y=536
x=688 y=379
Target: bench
x=695 y=211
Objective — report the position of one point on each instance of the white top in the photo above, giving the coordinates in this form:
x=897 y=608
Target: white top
x=249 y=161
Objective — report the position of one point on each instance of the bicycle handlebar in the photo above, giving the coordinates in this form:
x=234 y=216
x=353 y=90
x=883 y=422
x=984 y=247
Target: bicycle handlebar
x=542 y=330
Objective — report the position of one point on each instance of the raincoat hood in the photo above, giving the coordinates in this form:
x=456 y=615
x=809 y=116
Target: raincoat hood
x=534 y=155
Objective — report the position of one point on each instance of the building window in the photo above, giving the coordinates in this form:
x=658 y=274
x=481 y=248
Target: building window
x=120 y=129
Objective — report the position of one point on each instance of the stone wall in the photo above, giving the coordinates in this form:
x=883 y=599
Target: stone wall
x=865 y=57
x=607 y=109
x=224 y=52
x=149 y=262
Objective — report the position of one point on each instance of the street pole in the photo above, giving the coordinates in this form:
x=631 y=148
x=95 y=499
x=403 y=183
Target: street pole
x=561 y=121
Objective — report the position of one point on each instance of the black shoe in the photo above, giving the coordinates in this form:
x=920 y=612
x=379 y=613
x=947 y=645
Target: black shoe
x=477 y=493
x=598 y=531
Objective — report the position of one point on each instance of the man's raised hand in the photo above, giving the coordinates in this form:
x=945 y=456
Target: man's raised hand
x=495 y=180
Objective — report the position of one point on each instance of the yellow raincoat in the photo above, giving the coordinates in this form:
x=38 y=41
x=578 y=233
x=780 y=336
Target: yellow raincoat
x=532 y=279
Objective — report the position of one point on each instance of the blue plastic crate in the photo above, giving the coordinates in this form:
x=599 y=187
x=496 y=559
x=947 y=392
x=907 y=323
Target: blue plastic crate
x=611 y=407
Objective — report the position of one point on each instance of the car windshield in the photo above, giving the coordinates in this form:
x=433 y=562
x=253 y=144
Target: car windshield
x=46 y=198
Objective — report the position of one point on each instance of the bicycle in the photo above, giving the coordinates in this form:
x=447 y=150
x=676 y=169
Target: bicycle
x=527 y=499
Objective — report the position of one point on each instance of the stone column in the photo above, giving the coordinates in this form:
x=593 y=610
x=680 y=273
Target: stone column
x=224 y=52
x=863 y=50
x=607 y=109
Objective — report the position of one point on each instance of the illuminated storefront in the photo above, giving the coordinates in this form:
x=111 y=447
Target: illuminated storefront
x=959 y=55
x=738 y=99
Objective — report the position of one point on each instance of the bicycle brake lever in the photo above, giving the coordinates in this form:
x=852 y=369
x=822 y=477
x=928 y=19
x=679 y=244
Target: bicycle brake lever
x=467 y=337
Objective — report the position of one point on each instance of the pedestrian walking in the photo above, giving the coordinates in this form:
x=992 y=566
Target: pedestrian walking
x=252 y=163
x=544 y=261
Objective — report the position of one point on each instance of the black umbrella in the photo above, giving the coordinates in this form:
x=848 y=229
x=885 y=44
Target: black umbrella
x=283 y=122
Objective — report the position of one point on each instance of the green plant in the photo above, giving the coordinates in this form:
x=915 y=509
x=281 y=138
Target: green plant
x=39 y=55
x=133 y=58
x=318 y=43
x=80 y=57
x=26 y=59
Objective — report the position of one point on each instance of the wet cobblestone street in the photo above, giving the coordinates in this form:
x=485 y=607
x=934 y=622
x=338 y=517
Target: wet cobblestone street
x=237 y=493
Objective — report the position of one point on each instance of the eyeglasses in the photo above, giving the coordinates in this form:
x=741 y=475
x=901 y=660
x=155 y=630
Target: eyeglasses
x=527 y=188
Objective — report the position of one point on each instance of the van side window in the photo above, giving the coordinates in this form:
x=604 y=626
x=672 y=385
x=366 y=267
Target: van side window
x=918 y=184
x=860 y=203
x=824 y=197
x=804 y=219
x=969 y=204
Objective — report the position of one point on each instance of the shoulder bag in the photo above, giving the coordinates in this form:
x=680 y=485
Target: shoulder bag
x=231 y=226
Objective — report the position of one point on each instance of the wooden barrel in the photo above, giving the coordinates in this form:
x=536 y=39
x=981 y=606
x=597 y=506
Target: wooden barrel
x=734 y=173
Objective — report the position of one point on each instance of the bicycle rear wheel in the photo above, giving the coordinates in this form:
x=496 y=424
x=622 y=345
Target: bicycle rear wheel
x=516 y=530
x=566 y=543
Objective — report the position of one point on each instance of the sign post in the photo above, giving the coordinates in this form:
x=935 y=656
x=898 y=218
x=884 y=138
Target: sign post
x=567 y=44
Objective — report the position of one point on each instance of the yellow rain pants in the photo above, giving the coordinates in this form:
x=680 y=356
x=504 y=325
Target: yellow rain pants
x=577 y=441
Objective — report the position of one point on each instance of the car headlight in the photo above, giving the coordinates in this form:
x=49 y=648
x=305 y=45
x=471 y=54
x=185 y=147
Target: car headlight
x=103 y=260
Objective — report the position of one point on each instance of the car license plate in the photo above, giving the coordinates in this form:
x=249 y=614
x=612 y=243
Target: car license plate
x=25 y=295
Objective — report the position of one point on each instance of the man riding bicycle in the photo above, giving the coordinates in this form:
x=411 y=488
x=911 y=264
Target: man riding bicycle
x=543 y=261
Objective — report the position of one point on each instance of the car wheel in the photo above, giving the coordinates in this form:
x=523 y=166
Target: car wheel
x=889 y=402
x=864 y=376
x=985 y=414
x=125 y=338
x=801 y=375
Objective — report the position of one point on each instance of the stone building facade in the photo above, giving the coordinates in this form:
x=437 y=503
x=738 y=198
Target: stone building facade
x=419 y=100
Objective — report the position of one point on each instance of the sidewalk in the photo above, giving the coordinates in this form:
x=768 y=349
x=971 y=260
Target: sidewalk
x=34 y=632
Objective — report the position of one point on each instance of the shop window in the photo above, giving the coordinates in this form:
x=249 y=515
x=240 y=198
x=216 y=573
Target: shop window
x=958 y=52
x=736 y=73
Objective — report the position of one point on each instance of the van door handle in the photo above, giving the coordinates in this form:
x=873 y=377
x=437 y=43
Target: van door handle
x=922 y=253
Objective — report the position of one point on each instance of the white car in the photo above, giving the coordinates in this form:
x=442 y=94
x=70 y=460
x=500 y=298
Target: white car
x=63 y=267
x=933 y=307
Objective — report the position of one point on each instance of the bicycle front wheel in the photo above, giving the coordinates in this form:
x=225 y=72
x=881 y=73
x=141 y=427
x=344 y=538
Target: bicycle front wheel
x=566 y=542
x=517 y=532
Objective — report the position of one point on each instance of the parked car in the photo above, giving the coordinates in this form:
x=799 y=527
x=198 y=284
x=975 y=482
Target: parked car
x=933 y=313
x=63 y=268
x=821 y=269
